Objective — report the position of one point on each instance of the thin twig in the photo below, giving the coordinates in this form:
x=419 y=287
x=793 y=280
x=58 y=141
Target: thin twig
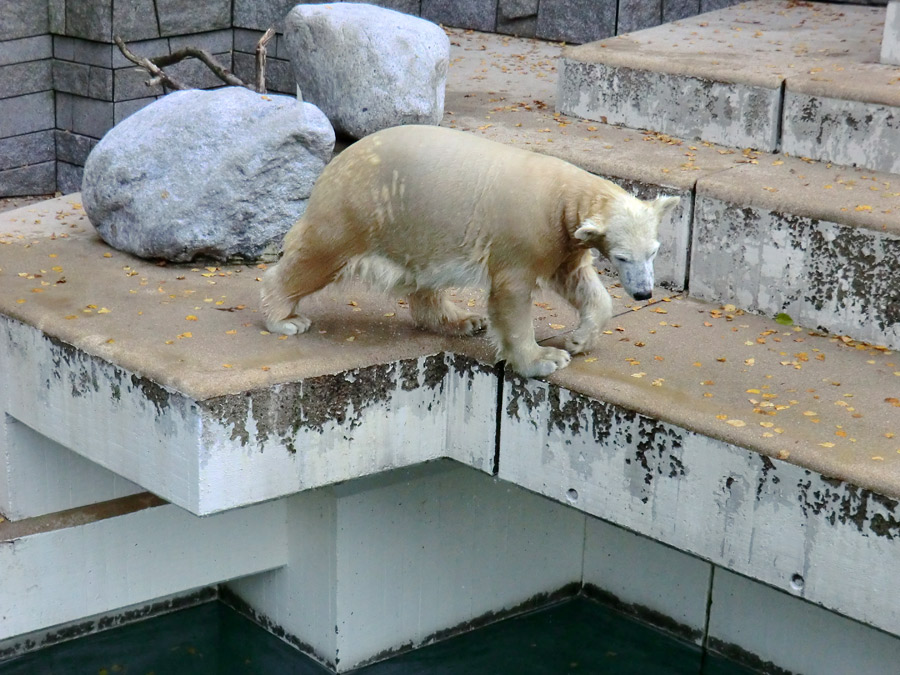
x=217 y=68
x=261 y=60
x=159 y=77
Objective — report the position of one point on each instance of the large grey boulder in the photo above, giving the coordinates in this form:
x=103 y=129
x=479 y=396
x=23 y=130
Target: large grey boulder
x=221 y=173
x=368 y=67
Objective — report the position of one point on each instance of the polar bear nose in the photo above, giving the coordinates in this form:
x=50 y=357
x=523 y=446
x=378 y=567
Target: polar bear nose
x=643 y=295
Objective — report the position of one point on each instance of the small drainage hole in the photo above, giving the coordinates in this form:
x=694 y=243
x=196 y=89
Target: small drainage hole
x=572 y=495
x=797 y=582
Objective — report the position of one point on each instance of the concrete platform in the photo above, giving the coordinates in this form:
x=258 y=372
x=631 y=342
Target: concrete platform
x=121 y=332
x=804 y=78
x=71 y=565
x=228 y=416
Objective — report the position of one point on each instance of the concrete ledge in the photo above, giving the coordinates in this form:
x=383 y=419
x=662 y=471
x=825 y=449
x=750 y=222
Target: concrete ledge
x=134 y=557
x=748 y=76
x=42 y=477
x=815 y=241
x=765 y=518
x=845 y=131
x=691 y=107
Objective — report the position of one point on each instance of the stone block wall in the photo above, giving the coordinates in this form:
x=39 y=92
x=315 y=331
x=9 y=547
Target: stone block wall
x=63 y=82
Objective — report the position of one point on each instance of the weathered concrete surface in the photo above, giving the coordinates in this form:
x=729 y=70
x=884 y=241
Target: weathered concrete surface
x=73 y=571
x=846 y=131
x=399 y=560
x=782 y=635
x=41 y=477
x=890 y=39
x=659 y=584
x=718 y=76
x=690 y=107
x=771 y=520
x=166 y=365
x=820 y=243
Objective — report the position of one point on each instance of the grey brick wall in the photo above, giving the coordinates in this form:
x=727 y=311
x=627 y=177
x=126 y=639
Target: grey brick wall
x=63 y=83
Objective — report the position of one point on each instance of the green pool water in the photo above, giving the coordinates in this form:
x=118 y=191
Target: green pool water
x=577 y=637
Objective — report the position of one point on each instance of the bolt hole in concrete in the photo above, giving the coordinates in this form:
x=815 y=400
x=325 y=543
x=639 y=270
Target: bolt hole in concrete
x=577 y=636
x=797 y=583
x=572 y=495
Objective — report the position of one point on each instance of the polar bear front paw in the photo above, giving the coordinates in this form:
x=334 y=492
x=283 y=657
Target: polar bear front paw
x=580 y=342
x=549 y=360
x=292 y=326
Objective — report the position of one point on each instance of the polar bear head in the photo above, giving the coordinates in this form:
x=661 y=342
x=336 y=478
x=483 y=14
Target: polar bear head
x=624 y=229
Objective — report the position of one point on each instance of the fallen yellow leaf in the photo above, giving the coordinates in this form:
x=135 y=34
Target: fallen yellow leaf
x=736 y=423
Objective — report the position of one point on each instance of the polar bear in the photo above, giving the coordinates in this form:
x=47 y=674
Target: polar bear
x=420 y=209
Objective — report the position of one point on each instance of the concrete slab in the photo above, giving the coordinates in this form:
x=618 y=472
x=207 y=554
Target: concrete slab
x=222 y=354
x=890 y=39
x=41 y=477
x=768 y=519
x=816 y=241
x=799 y=637
x=95 y=560
x=165 y=364
x=396 y=561
x=718 y=76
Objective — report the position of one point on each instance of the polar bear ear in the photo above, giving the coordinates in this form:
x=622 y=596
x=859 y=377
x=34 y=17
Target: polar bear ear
x=664 y=205
x=589 y=229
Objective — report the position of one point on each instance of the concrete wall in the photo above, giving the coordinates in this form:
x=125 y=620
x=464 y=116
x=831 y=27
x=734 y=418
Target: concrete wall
x=63 y=83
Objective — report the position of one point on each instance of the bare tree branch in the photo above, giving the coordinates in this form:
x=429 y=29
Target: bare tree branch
x=159 y=77
x=261 y=60
x=155 y=65
x=217 y=68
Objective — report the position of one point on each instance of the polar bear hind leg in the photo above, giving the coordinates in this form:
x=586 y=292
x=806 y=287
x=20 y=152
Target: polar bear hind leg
x=300 y=272
x=433 y=310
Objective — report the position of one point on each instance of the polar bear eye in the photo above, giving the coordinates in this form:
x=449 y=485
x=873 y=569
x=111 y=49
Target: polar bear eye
x=621 y=258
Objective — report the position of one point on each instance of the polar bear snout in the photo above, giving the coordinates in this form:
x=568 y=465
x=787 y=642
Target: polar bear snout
x=636 y=277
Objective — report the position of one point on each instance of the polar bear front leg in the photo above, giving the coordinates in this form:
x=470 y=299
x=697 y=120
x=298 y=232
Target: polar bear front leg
x=584 y=290
x=509 y=310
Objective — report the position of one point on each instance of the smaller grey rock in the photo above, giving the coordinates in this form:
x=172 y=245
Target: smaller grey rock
x=368 y=67
x=221 y=173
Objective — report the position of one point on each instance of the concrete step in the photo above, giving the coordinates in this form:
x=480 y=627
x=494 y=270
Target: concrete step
x=763 y=231
x=803 y=78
